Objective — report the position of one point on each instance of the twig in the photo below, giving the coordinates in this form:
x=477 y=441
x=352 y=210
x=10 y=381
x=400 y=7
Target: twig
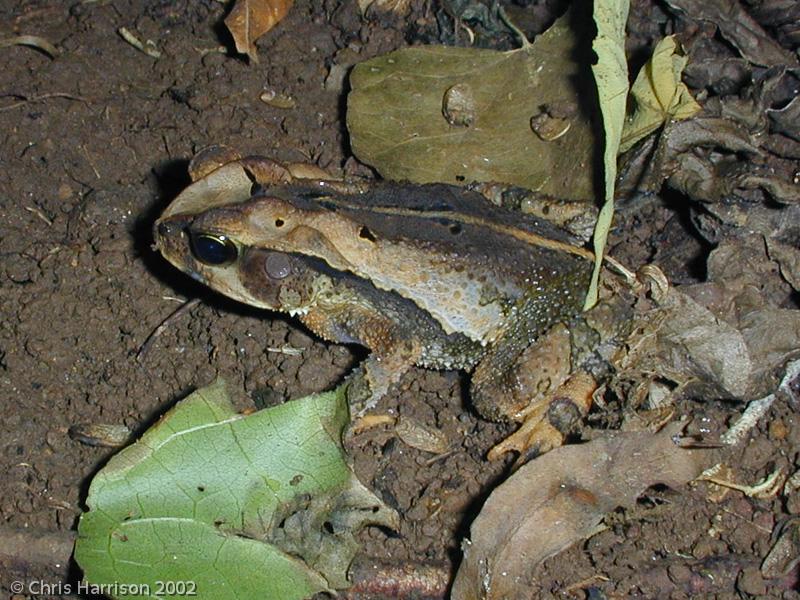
x=375 y=578
x=287 y=350
x=177 y=314
x=148 y=47
x=28 y=99
x=33 y=41
x=38 y=212
x=89 y=160
x=767 y=488
x=758 y=408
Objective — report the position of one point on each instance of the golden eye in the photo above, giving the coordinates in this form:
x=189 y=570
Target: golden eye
x=213 y=249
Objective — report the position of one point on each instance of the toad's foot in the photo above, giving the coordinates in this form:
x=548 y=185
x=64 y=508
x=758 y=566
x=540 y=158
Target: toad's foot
x=546 y=423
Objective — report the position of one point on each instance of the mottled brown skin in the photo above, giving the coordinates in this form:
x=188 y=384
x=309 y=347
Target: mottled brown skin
x=364 y=268
x=354 y=311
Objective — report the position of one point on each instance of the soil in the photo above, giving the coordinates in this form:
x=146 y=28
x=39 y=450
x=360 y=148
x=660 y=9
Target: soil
x=96 y=142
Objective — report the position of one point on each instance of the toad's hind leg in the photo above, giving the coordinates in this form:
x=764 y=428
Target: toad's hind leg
x=545 y=423
x=512 y=379
x=521 y=376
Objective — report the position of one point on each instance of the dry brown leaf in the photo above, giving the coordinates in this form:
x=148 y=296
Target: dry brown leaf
x=720 y=156
x=725 y=338
x=739 y=28
x=559 y=499
x=740 y=340
x=419 y=436
x=785 y=552
x=250 y=19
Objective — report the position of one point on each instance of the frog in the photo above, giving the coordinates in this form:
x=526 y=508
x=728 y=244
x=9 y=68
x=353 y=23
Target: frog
x=426 y=275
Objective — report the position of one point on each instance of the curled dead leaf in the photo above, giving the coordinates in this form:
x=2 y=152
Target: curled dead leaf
x=719 y=339
x=250 y=19
x=659 y=93
x=211 y=158
x=108 y=435
x=736 y=25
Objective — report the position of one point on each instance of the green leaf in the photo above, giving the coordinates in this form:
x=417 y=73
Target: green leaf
x=258 y=506
x=659 y=94
x=442 y=114
x=611 y=75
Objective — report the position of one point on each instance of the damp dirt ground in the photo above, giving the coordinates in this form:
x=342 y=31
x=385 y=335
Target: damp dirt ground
x=96 y=142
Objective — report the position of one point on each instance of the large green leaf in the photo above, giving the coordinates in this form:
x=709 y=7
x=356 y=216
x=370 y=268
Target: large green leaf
x=455 y=115
x=258 y=506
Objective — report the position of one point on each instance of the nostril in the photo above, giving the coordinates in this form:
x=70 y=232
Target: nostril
x=165 y=229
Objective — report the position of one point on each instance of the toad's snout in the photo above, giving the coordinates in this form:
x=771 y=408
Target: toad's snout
x=170 y=239
x=167 y=230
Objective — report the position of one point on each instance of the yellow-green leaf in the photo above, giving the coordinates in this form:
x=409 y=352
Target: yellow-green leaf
x=659 y=94
x=611 y=75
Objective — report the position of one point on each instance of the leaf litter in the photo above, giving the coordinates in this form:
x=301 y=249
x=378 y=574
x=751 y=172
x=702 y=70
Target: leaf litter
x=561 y=498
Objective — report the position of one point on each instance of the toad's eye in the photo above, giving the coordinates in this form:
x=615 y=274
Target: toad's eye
x=213 y=249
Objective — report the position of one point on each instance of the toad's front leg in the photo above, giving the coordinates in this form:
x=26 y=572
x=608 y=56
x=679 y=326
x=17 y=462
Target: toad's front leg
x=392 y=353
